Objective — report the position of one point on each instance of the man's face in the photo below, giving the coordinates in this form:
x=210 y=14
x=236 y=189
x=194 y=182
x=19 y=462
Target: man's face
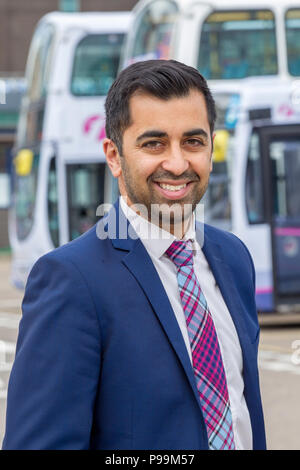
x=166 y=153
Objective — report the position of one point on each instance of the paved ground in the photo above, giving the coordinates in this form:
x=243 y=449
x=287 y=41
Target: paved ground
x=279 y=364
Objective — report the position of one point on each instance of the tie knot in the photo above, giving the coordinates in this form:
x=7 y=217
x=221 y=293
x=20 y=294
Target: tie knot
x=181 y=253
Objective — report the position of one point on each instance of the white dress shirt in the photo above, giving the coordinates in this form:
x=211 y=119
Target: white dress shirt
x=156 y=245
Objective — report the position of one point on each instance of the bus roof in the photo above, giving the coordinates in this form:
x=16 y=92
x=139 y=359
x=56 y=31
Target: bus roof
x=236 y=4
x=106 y=21
x=255 y=86
x=281 y=96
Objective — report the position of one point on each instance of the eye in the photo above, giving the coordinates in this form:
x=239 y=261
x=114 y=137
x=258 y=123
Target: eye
x=152 y=145
x=193 y=142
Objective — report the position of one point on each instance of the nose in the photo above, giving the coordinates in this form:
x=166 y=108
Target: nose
x=175 y=161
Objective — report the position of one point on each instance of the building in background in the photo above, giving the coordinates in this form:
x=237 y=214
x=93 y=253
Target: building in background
x=18 y=19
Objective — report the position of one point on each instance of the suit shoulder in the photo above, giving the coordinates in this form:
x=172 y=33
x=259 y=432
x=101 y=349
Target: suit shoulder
x=223 y=236
x=82 y=247
x=234 y=249
x=81 y=252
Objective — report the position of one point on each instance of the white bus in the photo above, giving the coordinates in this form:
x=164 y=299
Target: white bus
x=59 y=165
x=225 y=40
x=254 y=189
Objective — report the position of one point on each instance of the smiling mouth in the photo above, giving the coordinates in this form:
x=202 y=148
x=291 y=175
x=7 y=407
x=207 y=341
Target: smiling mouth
x=171 y=187
x=173 y=191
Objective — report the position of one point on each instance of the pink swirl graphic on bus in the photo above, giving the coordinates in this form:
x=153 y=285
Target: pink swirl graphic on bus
x=95 y=122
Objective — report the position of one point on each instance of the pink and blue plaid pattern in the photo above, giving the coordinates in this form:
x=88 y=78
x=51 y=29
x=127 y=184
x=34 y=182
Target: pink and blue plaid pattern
x=206 y=354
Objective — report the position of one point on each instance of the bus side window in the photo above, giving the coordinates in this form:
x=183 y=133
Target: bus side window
x=154 y=30
x=53 y=203
x=38 y=68
x=217 y=198
x=292 y=25
x=37 y=77
x=4 y=177
x=26 y=178
x=254 y=183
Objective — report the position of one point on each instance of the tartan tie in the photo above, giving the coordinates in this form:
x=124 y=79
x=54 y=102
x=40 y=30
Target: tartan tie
x=206 y=354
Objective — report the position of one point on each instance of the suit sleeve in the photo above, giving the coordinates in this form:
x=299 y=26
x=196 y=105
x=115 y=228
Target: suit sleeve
x=54 y=379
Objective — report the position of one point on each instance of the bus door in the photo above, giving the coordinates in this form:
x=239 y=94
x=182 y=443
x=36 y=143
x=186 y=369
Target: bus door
x=281 y=163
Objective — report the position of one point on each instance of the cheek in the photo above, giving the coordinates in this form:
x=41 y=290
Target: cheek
x=144 y=167
x=202 y=166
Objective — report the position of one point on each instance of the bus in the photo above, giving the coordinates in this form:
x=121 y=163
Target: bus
x=254 y=188
x=224 y=40
x=59 y=165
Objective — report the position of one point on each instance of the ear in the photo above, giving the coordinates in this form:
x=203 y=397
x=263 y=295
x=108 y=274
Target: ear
x=112 y=157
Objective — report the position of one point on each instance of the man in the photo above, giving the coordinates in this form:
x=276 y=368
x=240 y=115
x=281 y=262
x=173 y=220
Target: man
x=142 y=334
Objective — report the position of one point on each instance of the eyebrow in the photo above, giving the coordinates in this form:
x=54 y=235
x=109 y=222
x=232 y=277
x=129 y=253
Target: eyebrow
x=159 y=134
x=151 y=133
x=199 y=131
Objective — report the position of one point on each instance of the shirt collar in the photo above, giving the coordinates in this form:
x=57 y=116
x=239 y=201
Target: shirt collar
x=155 y=239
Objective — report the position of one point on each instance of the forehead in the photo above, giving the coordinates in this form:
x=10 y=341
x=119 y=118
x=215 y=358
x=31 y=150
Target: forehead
x=148 y=111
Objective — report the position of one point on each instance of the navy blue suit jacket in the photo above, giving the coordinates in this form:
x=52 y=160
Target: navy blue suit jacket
x=100 y=360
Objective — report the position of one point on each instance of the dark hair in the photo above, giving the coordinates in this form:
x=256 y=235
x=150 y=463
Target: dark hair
x=163 y=79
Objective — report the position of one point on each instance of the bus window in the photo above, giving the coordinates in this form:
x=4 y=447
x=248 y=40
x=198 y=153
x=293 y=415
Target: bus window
x=217 y=204
x=292 y=24
x=4 y=177
x=53 y=221
x=37 y=76
x=34 y=125
x=218 y=200
x=285 y=160
x=26 y=179
x=254 y=183
x=238 y=44
x=96 y=64
x=85 y=186
x=39 y=62
x=154 y=31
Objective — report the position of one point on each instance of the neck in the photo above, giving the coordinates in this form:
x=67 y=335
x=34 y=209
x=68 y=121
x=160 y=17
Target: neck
x=179 y=229
x=176 y=224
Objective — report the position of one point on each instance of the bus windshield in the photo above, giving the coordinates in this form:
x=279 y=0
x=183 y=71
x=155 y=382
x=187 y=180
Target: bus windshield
x=153 y=31
x=292 y=24
x=238 y=44
x=96 y=64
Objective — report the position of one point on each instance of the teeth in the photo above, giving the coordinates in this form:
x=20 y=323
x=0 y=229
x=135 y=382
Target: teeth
x=171 y=187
